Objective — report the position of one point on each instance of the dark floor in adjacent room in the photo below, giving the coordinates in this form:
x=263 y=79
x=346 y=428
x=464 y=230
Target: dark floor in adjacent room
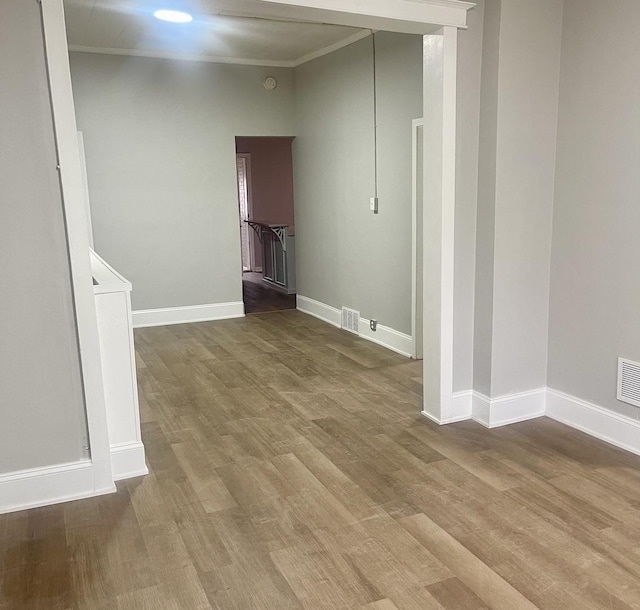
x=290 y=468
x=259 y=298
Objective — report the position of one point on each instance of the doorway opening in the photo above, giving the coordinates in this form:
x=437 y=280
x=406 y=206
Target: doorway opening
x=264 y=167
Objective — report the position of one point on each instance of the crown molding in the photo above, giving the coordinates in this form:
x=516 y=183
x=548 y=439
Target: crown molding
x=239 y=61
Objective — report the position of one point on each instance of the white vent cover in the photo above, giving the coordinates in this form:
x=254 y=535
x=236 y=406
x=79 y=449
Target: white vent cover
x=350 y=320
x=629 y=381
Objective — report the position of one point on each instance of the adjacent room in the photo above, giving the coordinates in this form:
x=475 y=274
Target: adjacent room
x=267 y=222
x=319 y=305
x=231 y=162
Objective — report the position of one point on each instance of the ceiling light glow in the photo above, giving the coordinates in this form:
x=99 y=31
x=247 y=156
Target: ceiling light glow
x=173 y=16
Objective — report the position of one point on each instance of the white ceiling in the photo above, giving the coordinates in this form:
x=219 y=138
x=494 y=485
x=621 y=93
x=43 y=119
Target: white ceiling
x=129 y=27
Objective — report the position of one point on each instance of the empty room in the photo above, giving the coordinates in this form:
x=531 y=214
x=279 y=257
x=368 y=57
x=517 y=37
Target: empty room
x=319 y=304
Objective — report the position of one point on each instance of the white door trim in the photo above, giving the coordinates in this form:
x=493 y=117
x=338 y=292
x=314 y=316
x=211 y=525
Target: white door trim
x=85 y=187
x=415 y=124
x=251 y=234
x=64 y=118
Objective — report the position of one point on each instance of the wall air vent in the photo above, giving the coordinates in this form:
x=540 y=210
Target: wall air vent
x=350 y=320
x=629 y=381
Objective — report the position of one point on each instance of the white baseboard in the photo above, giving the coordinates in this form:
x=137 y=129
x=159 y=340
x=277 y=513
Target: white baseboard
x=50 y=485
x=390 y=338
x=127 y=461
x=505 y=410
x=461 y=406
x=319 y=310
x=184 y=315
x=601 y=423
x=384 y=335
x=619 y=430
x=495 y=412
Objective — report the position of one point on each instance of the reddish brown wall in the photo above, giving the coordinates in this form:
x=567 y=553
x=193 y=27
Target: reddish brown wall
x=271 y=178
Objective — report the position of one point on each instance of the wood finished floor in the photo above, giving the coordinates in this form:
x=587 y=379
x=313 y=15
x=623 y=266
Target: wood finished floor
x=259 y=298
x=290 y=469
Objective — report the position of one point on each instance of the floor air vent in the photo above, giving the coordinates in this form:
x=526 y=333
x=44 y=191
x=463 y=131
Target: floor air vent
x=629 y=381
x=350 y=320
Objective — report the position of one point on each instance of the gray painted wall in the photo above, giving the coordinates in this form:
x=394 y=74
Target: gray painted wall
x=346 y=255
x=595 y=292
x=41 y=399
x=486 y=202
x=514 y=229
x=528 y=77
x=160 y=146
x=470 y=44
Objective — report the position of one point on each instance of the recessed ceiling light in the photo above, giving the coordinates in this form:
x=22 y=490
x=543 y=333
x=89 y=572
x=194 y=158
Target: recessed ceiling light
x=173 y=16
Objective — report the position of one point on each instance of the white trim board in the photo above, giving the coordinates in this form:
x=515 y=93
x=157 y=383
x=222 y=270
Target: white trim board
x=505 y=410
x=494 y=412
x=416 y=232
x=75 y=213
x=184 y=315
x=128 y=460
x=460 y=410
x=218 y=59
x=50 y=485
x=604 y=424
x=385 y=336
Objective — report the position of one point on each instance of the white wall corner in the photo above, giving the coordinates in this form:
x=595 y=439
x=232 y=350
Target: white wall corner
x=461 y=409
x=509 y=409
x=185 y=315
x=128 y=461
x=495 y=412
x=481 y=408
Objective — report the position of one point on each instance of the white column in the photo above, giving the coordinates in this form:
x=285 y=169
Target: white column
x=440 y=81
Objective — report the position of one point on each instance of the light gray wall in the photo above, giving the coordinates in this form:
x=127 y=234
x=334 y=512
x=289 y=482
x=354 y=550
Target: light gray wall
x=346 y=255
x=514 y=230
x=486 y=210
x=160 y=147
x=595 y=291
x=470 y=44
x=528 y=77
x=42 y=418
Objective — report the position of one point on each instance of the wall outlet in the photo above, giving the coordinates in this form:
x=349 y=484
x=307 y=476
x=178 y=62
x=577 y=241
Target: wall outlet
x=373 y=325
x=373 y=204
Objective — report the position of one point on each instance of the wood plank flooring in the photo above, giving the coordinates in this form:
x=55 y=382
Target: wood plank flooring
x=290 y=468
x=259 y=298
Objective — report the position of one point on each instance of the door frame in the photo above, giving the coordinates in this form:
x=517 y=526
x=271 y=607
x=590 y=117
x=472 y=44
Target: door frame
x=415 y=233
x=250 y=232
x=438 y=21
